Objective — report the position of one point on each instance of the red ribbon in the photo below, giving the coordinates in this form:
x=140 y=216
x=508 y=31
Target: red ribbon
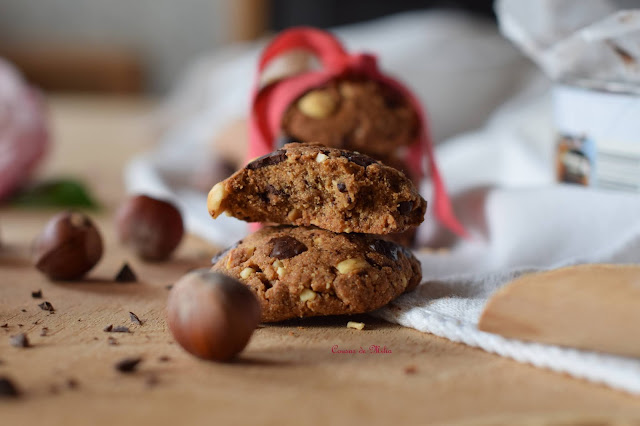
x=270 y=103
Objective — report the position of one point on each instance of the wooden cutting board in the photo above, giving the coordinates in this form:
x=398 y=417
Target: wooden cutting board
x=592 y=306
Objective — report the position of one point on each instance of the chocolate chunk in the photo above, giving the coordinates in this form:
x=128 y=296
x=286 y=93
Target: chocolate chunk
x=405 y=207
x=126 y=275
x=385 y=248
x=342 y=187
x=270 y=159
x=128 y=365
x=359 y=159
x=8 y=389
x=19 y=341
x=286 y=247
x=134 y=318
x=36 y=294
x=46 y=306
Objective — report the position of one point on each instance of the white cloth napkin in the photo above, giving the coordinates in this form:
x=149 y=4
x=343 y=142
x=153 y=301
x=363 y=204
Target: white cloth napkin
x=500 y=177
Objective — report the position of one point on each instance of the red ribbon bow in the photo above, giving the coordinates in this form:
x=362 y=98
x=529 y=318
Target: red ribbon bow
x=270 y=103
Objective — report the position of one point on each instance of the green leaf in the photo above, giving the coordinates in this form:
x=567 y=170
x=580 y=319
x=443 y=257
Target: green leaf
x=55 y=193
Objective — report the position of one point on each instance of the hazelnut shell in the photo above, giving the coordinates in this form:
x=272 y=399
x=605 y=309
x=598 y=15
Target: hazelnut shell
x=211 y=315
x=68 y=247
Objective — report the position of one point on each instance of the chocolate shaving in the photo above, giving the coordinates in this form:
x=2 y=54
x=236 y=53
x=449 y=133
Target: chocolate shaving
x=270 y=159
x=121 y=329
x=36 y=294
x=108 y=328
x=19 y=341
x=8 y=389
x=134 y=318
x=126 y=275
x=46 y=306
x=128 y=365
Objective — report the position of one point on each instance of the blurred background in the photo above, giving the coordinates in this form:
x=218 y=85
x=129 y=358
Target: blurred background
x=140 y=46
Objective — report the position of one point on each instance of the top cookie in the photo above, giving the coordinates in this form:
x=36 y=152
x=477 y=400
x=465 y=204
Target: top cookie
x=354 y=114
x=310 y=184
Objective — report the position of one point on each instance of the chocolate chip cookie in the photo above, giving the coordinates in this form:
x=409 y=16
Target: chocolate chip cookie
x=355 y=114
x=309 y=184
x=304 y=272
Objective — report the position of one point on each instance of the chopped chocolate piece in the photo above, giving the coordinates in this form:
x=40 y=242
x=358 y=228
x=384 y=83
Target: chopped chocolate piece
x=270 y=159
x=19 y=341
x=286 y=247
x=108 y=328
x=342 y=187
x=36 y=294
x=128 y=365
x=126 y=275
x=134 y=318
x=405 y=207
x=8 y=389
x=121 y=329
x=46 y=306
x=386 y=248
x=359 y=159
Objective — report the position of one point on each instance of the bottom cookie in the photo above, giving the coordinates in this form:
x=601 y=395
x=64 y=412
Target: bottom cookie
x=303 y=272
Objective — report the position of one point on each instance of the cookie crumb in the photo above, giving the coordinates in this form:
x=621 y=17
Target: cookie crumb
x=355 y=325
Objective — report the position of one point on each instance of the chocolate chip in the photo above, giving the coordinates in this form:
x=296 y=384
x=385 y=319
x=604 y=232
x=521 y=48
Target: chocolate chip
x=386 y=248
x=46 y=306
x=342 y=187
x=126 y=275
x=8 y=389
x=286 y=247
x=270 y=159
x=19 y=341
x=134 y=318
x=36 y=294
x=359 y=159
x=128 y=365
x=405 y=207
x=108 y=328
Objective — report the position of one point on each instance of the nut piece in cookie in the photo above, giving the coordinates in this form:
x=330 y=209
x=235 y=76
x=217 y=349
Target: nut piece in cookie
x=309 y=184
x=304 y=272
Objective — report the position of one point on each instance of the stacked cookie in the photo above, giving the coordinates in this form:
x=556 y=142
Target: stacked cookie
x=323 y=257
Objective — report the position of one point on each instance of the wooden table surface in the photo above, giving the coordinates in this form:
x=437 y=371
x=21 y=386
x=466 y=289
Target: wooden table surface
x=288 y=373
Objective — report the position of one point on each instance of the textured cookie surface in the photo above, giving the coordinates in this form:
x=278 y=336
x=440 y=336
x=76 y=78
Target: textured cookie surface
x=308 y=184
x=303 y=272
x=358 y=115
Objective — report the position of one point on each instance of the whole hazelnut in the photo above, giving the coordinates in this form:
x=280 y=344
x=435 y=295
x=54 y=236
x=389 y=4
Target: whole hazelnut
x=212 y=315
x=152 y=228
x=68 y=247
